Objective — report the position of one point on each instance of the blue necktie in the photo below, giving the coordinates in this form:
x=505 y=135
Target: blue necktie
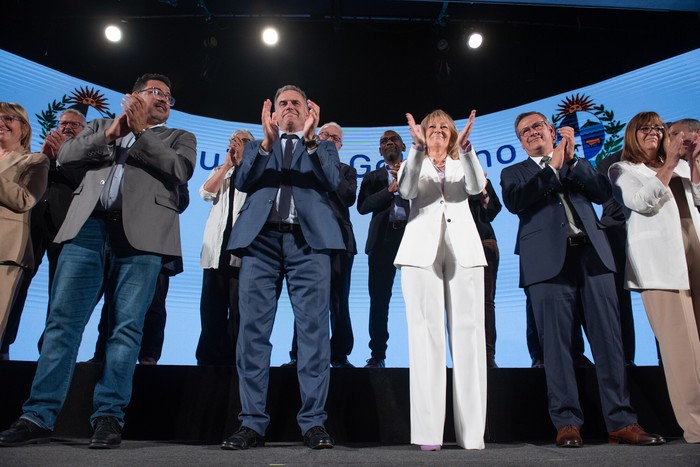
x=286 y=187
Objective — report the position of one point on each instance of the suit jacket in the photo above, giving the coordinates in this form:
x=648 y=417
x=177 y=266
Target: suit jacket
x=23 y=178
x=484 y=216
x=157 y=163
x=656 y=257
x=531 y=192
x=376 y=198
x=419 y=182
x=312 y=177
x=341 y=200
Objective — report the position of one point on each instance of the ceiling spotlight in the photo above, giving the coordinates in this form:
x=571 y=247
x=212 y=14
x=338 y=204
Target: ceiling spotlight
x=270 y=36
x=113 y=33
x=475 y=40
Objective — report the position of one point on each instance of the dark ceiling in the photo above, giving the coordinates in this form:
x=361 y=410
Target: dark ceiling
x=365 y=62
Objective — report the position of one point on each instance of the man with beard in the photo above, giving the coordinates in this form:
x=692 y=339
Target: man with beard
x=379 y=195
x=121 y=225
x=285 y=230
x=47 y=217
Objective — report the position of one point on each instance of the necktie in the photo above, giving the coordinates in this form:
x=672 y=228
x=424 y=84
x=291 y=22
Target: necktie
x=568 y=211
x=285 y=186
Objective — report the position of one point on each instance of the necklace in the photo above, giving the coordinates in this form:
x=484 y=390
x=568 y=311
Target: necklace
x=438 y=163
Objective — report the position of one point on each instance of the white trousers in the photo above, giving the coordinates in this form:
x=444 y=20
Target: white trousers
x=446 y=290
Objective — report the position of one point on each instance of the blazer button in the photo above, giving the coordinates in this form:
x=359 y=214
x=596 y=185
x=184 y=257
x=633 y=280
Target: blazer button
x=102 y=182
x=449 y=220
x=442 y=201
x=563 y=224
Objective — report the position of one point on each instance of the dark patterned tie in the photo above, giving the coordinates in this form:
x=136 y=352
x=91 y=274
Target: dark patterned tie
x=286 y=187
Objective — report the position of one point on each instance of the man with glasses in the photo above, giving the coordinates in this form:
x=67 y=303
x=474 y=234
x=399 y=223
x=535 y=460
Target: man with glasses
x=341 y=260
x=47 y=217
x=379 y=195
x=566 y=265
x=218 y=306
x=122 y=224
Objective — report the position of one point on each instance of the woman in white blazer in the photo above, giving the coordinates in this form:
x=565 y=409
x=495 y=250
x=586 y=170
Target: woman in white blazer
x=442 y=277
x=660 y=192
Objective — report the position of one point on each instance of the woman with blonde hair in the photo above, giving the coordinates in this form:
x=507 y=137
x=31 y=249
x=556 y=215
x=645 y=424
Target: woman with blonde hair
x=23 y=177
x=442 y=278
x=659 y=192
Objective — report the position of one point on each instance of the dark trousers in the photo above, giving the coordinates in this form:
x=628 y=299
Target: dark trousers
x=490 y=274
x=381 y=280
x=218 y=310
x=584 y=283
x=342 y=339
x=153 y=324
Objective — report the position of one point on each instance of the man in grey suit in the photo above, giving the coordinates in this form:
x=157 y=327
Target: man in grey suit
x=565 y=260
x=121 y=226
x=286 y=229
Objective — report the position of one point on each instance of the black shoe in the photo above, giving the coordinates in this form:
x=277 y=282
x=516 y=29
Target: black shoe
x=375 y=363
x=318 y=438
x=342 y=363
x=290 y=364
x=107 y=435
x=24 y=432
x=243 y=438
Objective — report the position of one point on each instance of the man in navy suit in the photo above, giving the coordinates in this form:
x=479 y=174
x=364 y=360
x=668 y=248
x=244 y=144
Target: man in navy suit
x=565 y=261
x=286 y=229
x=379 y=195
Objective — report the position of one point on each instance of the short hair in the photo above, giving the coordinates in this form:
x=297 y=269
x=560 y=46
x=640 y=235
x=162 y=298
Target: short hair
x=17 y=110
x=290 y=87
x=632 y=151
x=75 y=112
x=141 y=81
x=690 y=123
x=519 y=118
x=340 y=128
x=247 y=134
x=440 y=114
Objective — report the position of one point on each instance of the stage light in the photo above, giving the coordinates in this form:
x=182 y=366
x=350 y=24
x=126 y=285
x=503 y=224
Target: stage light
x=270 y=36
x=475 y=40
x=113 y=33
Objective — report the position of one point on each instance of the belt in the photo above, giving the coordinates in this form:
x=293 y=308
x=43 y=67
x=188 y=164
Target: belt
x=282 y=227
x=112 y=216
x=578 y=240
x=397 y=225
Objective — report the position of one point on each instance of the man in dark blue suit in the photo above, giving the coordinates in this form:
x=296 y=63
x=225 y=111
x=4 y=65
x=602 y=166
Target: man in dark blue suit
x=566 y=264
x=286 y=229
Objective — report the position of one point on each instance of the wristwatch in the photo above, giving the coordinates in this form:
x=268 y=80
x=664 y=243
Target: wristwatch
x=312 y=143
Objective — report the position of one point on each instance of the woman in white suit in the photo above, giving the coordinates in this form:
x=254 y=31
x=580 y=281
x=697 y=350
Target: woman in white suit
x=442 y=277
x=659 y=191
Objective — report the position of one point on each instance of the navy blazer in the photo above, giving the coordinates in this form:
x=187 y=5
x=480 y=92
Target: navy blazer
x=531 y=193
x=341 y=200
x=312 y=177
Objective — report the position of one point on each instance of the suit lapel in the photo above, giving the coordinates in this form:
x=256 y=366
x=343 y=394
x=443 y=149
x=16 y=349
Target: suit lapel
x=531 y=166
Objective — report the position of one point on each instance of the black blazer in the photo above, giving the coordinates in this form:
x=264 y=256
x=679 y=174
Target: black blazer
x=341 y=200
x=376 y=198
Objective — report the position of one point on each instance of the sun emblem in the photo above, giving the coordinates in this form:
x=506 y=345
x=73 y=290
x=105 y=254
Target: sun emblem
x=90 y=97
x=81 y=99
x=595 y=126
x=575 y=104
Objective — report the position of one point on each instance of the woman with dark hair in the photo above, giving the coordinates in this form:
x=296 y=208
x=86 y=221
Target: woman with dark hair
x=442 y=278
x=23 y=178
x=659 y=192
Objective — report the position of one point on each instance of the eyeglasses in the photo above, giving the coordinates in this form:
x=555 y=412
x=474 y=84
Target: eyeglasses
x=646 y=129
x=70 y=124
x=8 y=119
x=239 y=140
x=394 y=139
x=324 y=135
x=537 y=126
x=160 y=94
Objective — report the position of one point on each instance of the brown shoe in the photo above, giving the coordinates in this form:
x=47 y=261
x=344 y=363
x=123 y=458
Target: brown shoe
x=634 y=434
x=569 y=436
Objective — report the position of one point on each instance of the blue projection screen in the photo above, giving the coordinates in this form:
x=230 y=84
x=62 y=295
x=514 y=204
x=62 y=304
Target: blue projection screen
x=665 y=87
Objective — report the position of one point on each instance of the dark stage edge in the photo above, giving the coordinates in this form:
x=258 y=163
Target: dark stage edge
x=201 y=404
